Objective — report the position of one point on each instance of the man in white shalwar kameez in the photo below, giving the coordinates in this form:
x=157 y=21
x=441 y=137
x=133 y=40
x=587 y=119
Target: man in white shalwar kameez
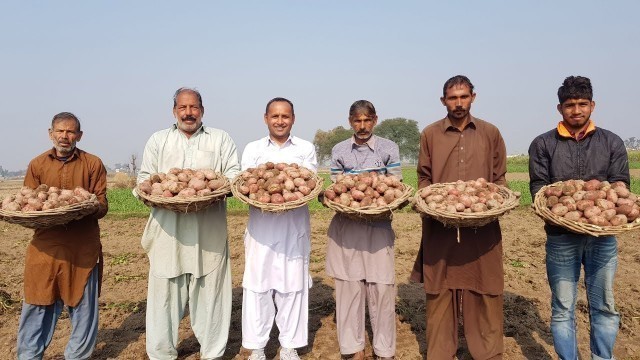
x=277 y=247
x=188 y=253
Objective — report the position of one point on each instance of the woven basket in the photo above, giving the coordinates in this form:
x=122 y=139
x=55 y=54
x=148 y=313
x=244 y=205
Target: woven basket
x=372 y=213
x=181 y=204
x=53 y=217
x=461 y=219
x=238 y=181
x=539 y=206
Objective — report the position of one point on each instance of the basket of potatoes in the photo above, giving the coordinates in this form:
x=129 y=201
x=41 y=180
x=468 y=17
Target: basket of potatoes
x=593 y=207
x=471 y=203
x=183 y=190
x=367 y=196
x=277 y=187
x=47 y=206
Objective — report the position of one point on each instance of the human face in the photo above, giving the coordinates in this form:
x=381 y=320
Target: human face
x=279 y=119
x=362 y=125
x=457 y=100
x=188 y=111
x=65 y=134
x=576 y=113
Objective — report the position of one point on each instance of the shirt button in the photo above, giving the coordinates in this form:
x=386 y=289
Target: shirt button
x=461 y=160
x=461 y=148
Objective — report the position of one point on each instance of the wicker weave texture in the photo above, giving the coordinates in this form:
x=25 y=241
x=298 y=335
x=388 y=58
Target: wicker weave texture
x=539 y=206
x=372 y=213
x=276 y=208
x=181 y=204
x=461 y=219
x=53 y=217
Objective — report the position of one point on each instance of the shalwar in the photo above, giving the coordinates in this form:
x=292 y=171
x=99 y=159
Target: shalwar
x=38 y=322
x=209 y=297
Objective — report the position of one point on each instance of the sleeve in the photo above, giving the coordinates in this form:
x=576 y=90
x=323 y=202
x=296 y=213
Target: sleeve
x=229 y=158
x=499 y=160
x=31 y=178
x=393 y=165
x=619 y=167
x=149 y=160
x=424 y=162
x=539 y=163
x=248 y=160
x=98 y=178
x=336 y=165
x=310 y=159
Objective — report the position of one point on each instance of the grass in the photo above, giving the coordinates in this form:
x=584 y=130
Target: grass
x=123 y=204
x=520 y=163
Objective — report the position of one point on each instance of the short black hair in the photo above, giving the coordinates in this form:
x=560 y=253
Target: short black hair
x=362 y=106
x=575 y=87
x=278 y=99
x=456 y=80
x=186 y=89
x=65 y=116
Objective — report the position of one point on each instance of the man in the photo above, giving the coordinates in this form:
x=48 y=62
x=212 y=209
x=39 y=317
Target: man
x=277 y=246
x=188 y=252
x=360 y=253
x=63 y=264
x=462 y=278
x=577 y=149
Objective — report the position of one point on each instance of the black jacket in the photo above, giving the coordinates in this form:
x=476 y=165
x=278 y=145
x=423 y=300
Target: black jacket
x=600 y=155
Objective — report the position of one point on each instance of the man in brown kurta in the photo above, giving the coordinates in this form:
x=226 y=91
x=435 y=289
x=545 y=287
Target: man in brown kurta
x=62 y=264
x=461 y=278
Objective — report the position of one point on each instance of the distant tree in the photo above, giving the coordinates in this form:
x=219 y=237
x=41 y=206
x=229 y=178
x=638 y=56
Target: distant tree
x=632 y=143
x=403 y=132
x=3 y=172
x=324 y=141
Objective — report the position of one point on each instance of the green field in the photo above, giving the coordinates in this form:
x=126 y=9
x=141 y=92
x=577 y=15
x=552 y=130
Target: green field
x=122 y=202
x=520 y=163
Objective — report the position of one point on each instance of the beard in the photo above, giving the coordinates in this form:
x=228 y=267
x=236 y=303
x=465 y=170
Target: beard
x=65 y=149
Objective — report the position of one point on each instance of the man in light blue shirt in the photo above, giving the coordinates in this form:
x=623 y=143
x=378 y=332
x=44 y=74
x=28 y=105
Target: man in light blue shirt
x=188 y=252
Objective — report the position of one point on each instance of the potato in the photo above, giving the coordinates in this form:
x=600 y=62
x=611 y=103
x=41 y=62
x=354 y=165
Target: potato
x=573 y=215
x=277 y=198
x=552 y=200
x=329 y=194
x=357 y=194
x=592 y=211
x=583 y=204
x=618 y=220
x=197 y=184
x=559 y=209
x=591 y=185
x=478 y=207
x=609 y=213
x=622 y=192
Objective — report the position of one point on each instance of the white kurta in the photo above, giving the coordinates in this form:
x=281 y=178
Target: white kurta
x=277 y=245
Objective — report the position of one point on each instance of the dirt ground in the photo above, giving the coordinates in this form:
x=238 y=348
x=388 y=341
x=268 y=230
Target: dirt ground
x=526 y=308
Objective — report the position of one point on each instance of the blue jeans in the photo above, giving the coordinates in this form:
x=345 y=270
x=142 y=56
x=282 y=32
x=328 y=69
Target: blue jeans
x=38 y=322
x=565 y=255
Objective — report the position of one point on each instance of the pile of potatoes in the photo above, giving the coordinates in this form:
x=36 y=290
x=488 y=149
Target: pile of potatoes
x=366 y=189
x=182 y=183
x=593 y=202
x=277 y=183
x=472 y=196
x=44 y=197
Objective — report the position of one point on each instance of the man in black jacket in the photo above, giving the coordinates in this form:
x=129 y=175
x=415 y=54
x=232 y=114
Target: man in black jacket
x=577 y=149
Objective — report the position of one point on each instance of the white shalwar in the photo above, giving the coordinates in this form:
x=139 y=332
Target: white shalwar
x=277 y=247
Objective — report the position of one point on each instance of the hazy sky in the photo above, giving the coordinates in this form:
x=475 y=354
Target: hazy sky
x=116 y=64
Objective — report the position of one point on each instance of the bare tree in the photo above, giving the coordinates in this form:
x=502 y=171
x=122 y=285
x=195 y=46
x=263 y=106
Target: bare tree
x=134 y=168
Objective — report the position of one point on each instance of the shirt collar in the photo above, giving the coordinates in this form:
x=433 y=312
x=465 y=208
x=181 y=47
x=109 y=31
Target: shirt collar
x=449 y=125
x=291 y=140
x=566 y=133
x=202 y=128
x=371 y=143
x=53 y=155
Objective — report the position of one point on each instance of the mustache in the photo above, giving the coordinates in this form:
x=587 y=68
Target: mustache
x=189 y=117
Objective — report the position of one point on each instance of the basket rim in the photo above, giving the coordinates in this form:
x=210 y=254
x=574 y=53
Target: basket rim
x=539 y=206
x=52 y=217
x=276 y=208
x=371 y=211
x=461 y=219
